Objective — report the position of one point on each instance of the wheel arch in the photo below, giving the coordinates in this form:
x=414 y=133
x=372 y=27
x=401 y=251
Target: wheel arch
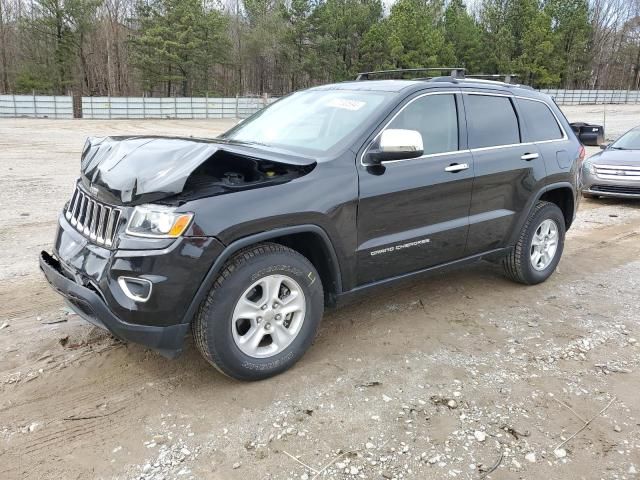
x=311 y=241
x=562 y=195
x=317 y=248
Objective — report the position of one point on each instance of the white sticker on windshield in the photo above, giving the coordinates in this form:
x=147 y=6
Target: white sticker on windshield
x=345 y=104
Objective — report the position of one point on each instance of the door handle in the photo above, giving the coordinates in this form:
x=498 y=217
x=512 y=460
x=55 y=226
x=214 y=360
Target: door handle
x=456 y=167
x=529 y=156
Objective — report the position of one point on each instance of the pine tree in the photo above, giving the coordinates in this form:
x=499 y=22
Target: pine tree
x=177 y=41
x=464 y=35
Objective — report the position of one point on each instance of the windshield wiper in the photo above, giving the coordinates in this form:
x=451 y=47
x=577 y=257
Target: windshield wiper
x=618 y=148
x=243 y=142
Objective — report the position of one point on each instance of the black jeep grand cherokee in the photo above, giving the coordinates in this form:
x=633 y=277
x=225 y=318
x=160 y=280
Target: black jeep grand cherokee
x=330 y=191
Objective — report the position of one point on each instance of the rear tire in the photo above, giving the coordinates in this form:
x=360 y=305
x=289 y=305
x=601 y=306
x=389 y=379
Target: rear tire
x=261 y=314
x=539 y=248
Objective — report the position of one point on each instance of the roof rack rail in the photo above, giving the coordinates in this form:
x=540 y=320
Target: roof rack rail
x=494 y=76
x=447 y=79
x=455 y=72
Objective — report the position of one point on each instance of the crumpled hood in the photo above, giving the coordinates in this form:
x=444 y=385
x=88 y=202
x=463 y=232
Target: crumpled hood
x=132 y=170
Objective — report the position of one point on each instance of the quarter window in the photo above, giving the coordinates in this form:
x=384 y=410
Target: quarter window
x=436 y=118
x=491 y=121
x=541 y=124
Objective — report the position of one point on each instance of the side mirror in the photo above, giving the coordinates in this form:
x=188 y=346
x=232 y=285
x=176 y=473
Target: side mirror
x=396 y=144
x=604 y=146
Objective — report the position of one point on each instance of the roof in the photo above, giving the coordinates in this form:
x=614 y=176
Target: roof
x=437 y=82
x=372 y=85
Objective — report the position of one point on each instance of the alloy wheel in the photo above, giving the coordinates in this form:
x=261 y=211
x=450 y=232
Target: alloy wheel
x=544 y=244
x=268 y=316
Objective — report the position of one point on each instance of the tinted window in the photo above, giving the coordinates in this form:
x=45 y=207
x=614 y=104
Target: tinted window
x=436 y=118
x=491 y=121
x=541 y=124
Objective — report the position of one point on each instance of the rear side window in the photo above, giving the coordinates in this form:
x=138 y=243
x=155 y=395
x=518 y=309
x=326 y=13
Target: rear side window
x=436 y=118
x=491 y=121
x=540 y=122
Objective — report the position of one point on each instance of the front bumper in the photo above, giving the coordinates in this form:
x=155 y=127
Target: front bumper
x=91 y=277
x=89 y=305
x=592 y=184
x=610 y=193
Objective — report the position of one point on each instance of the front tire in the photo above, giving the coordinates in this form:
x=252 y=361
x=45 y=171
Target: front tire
x=261 y=314
x=539 y=248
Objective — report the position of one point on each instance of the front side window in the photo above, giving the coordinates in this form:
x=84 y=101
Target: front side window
x=435 y=117
x=541 y=124
x=491 y=121
x=311 y=121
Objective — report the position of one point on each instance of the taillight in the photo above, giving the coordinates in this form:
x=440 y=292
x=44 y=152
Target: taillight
x=581 y=154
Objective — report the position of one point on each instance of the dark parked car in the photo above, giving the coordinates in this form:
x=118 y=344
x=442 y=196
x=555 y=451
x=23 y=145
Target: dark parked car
x=324 y=195
x=614 y=172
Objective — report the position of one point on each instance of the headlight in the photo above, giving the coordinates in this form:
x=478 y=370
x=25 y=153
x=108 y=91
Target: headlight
x=157 y=221
x=588 y=166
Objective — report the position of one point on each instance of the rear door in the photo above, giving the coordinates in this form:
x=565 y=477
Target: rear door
x=543 y=129
x=508 y=170
x=412 y=213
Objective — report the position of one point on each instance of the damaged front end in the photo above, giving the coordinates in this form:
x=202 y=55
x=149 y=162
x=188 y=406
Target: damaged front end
x=128 y=254
x=135 y=170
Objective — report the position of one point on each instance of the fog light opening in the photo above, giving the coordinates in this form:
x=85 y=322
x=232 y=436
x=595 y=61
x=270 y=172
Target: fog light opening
x=137 y=289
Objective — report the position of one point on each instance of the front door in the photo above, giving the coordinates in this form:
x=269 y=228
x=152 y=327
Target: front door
x=413 y=213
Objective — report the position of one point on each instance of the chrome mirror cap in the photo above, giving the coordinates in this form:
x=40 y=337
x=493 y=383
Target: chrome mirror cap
x=396 y=144
x=401 y=141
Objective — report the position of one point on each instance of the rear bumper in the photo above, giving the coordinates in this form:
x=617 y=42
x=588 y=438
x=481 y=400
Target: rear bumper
x=167 y=340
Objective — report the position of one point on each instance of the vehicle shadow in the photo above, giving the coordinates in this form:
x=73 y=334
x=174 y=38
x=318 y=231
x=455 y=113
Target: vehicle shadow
x=417 y=319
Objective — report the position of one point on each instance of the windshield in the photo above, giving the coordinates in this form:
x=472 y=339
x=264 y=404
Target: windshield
x=629 y=141
x=311 y=121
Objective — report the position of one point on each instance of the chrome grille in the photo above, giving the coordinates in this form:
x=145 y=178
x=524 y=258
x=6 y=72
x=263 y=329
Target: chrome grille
x=618 y=172
x=94 y=219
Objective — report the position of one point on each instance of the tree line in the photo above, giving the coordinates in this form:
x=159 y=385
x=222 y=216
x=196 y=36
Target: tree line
x=230 y=47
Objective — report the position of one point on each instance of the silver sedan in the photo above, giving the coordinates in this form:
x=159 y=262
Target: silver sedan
x=614 y=172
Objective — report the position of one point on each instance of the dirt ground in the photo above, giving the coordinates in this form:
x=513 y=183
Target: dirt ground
x=463 y=375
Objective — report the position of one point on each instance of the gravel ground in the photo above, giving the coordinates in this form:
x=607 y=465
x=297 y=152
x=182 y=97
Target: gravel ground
x=463 y=375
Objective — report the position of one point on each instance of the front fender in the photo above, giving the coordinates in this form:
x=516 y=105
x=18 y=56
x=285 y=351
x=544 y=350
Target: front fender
x=253 y=239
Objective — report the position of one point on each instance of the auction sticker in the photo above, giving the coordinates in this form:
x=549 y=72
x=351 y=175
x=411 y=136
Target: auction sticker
x=346 y=104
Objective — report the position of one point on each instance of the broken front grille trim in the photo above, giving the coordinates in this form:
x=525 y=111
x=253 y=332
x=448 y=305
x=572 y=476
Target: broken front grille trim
x=94 y=219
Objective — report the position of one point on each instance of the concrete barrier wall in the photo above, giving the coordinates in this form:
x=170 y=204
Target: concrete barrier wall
x=58 y=106
x=593 y=97
x=14 y=106
x=43 y=106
